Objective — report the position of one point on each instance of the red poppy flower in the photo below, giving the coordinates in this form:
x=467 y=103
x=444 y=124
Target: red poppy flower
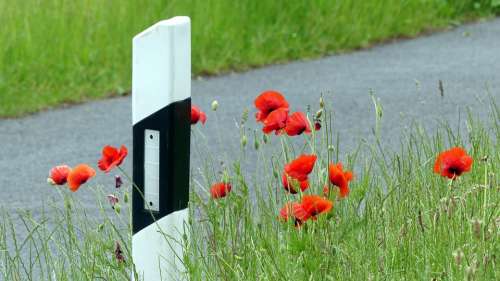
x=59 y=174
x=297 y=124
x=220 y=189
x=291 y=184
x=197 y=115
x=452 y=163
x=311 y=206
x=340 y=178
x=296 y=172
x=267 y=102
x=276 y=121
x=79 y=175
x=111 y=157
x=288 y=211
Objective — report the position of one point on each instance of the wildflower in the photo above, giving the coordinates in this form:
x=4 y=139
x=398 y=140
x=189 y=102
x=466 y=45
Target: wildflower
x=113 y=200
x=288 y=212
x=312 y=206
x=111 y=157
x=268 y=102
x=296 y=172
x=220 y=189
x=215 y=105
x=297 y=124
x=58 y=175
x=197 y=115
x=340 y=178
x=275 y=121
x=119 y=253
x=118 y=181
x=79 y=175
x=452 y=163
x=317 y=126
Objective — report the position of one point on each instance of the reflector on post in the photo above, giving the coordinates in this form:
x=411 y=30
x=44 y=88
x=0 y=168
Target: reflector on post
x=161 y=112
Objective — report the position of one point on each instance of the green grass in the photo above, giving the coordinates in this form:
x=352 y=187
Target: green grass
x=55 y=52
x=400 y=221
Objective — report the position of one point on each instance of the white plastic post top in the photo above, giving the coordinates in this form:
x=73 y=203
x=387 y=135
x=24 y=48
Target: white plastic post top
x=161 y=66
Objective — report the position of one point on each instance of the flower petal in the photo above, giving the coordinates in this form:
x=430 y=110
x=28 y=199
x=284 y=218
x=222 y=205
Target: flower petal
x=79 y=175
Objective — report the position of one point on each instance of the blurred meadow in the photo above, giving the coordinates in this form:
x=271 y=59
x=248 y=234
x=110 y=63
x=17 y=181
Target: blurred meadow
x=56 y=52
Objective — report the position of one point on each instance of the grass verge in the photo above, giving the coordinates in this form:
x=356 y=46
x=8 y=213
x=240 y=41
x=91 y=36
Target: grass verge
x=61 y=52
x=400 y=221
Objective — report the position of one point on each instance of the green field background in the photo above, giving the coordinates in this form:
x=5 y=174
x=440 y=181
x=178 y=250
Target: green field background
x=57 y=52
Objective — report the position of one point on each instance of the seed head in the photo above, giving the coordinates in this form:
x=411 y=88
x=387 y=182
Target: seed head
x=458 y=256
x=119 y=253
x=476 y=227
x=321 y=102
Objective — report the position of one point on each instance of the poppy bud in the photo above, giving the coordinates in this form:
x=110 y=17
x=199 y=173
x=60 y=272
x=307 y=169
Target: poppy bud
x=67 y=204
x=321 y=102
x=331 y=148
x=117 y=208
x=215 y=105
x=318 y=114
x=118 y=181
x=317 y=126
x=244 y=141
x=125 y=197
x=275 y=173
x=265 y=138
x=100 y=227
x=256 y=142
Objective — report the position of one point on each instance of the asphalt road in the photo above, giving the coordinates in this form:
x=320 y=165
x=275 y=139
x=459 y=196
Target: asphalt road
x=404 y=75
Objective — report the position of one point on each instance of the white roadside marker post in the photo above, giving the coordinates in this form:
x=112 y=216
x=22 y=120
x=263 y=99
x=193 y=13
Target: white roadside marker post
x=161 y=111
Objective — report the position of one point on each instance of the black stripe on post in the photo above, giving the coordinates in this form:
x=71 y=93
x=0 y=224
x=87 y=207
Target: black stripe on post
x=173 y=124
